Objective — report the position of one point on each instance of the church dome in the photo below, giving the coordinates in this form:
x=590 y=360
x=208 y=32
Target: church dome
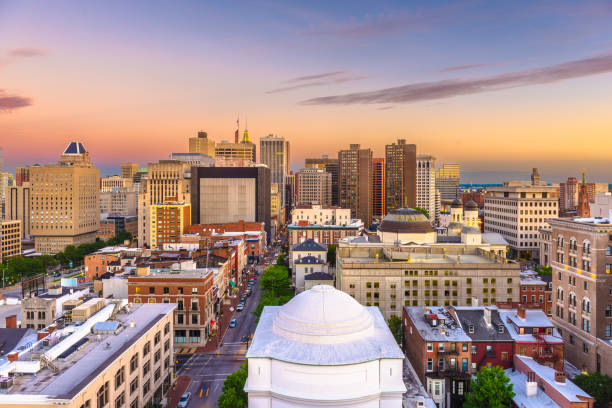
x=471 y=206
x=405 y=220
x=323 y=315
x=456 y=203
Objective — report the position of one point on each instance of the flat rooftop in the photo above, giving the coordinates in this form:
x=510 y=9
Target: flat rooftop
x=84 y=364
x=420 y=258
x=450 y=330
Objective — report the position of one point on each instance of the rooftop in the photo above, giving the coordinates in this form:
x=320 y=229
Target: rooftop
x=483 y=330
x=323 y=326
x=309 y=260
x=75 y=148
x=309 y=245
x=445 y=329
x=81 y=365
x=319 y=276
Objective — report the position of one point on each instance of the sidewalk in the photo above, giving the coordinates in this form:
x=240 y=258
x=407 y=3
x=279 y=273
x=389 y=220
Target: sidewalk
x=223 y=322
x=181 y=385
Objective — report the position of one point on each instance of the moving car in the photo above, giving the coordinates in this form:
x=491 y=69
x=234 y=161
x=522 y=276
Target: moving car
x=184 y=400
x=232 y=323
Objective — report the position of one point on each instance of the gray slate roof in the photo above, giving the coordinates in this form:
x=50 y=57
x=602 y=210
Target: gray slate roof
x=482 y=331
x=309 y=245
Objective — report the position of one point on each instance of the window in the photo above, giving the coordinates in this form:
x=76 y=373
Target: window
x=166 y=345
x=585 y=348
x=146 y=349
x=166 y=290
x=430 y=364
x=504 y=356
x=146 y=367
x=474 y=349
x=87 y=404
x=167 y=328
x=194 y=291
x=134 y=386
x=119 y=377
x=120 y=400
x=146 y=387
x=464 y=347
x=429 y=346
x=157 y=356
x=607 y=330
x=102 y=395
x=133 y=363
x=608 y=311
x=151 y=290
x=157 y=338
x=134 y=403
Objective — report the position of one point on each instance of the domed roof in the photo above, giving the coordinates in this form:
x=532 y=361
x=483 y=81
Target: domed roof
x=323 y=315
x=456 y=203
x=405 y=220
x=471 y=206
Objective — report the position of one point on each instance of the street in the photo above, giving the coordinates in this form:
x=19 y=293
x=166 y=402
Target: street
x=209 y=370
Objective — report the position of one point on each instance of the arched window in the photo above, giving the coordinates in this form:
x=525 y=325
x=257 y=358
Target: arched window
x=586 y=305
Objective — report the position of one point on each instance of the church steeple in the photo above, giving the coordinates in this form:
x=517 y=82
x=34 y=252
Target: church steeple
x=583 y=209
x=245 y=136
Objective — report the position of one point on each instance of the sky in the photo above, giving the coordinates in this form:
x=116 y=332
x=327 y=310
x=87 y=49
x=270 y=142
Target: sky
x=498 y=87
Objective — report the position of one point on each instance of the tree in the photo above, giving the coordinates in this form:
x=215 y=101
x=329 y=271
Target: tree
x=598 y=385
x=233 y=395
x=422 y=211
x=331 y=254
x=395 y=325
x=490 y=389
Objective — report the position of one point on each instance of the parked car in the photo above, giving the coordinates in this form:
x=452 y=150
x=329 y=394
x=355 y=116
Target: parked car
x=248 y=292
x=232 y=323
x=184 y=400
x=240 y=307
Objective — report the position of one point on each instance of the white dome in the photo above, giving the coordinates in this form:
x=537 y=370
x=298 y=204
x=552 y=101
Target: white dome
x=323 y=315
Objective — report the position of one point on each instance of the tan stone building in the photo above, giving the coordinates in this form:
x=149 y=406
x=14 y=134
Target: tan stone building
x=401 y=175
x=314 y=187
x=10 y=239
x=517 y=210
x=122 y=201
x=582 y=290
x=121 y=356
x=18 y=207
x=407 y=264
x=129 y=170
x=202 y=144
x=165 y=179
x=65 y=201
x=111 y=183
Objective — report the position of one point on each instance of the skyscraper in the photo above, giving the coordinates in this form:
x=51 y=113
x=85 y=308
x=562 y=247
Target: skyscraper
x=314 y=187
x=129 y=170
x=330 y=165
x=378 y=188
x=274 y=153
x=202 y=144
x=426 y=184
x=64 y=201
x=165 y=179
x=568 y=194
x=18 y=207
x=400 y=175
x=447 y=181
x=355 y=182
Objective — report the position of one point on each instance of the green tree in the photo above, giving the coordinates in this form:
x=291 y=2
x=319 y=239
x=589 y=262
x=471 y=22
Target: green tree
x=490 y=389
x=422 y=211
x=598 y=385
x=275 y=279
x=331 y=254
x=233 y=395
x=395 y=325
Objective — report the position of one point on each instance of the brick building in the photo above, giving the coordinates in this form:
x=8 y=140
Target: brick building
x=192 y=291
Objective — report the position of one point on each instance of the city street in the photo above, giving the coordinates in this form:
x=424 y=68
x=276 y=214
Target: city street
x=209 y=370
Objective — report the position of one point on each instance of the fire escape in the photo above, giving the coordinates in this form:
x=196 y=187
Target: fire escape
x=545 y=353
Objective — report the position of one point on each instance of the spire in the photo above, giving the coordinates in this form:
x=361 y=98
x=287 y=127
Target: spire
x=237 y=129
x=245 y=136
x=583 y=177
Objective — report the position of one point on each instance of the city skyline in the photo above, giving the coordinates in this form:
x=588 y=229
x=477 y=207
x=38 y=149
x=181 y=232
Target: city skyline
x=498 y=89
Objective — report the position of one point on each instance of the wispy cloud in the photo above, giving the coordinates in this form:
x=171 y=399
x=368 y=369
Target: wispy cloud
x=27 y=52
x=465 y=67
x=327 y=78
x=318 y=76
x=423 y=91
x=9 y=103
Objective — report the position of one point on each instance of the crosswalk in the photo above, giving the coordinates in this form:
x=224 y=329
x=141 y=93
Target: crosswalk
x=186 y=350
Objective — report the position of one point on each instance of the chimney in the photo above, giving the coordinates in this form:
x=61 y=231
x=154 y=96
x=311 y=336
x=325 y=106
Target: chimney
x=11 y=322
x=487 y=316
x=560 y=377
x=520 y=311
x=13 y=356
x=42 y=335
x=531 y=386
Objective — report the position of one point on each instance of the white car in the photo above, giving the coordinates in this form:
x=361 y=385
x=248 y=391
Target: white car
x=184 y=400
x=240 y=307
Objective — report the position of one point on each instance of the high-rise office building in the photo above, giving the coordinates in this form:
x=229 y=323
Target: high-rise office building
x=65 y=201
x=128 y=170
x=330 y=165
x=355 y=182
x=274 y=153
x=202 y=144
x=165 y=179
x=221 y=195
x=111 y=183
x=568 y=194
x=447 y=181
x=378 y=188
x=426 y=185
x=10 y=239
x=400 y=173
x=169 y=221
x=22 y=175
x=314 y=187
x=18 y=207
x=517 y=210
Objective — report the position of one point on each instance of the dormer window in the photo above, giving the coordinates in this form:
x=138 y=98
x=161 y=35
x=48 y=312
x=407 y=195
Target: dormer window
x=500 y=328
x=471 y=328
